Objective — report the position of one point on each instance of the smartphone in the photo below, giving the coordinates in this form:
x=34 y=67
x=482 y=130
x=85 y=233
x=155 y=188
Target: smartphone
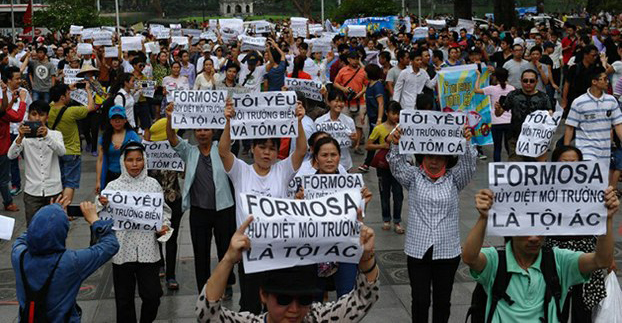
x=81 y=85
x=502 y=100
x=34 y=127
x=74 y=211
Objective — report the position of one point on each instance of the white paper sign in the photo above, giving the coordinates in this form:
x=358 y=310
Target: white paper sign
x=75 y=30
x=70 y=75
x=163 y=33
x=298 y=25
x=316 y=186
x=195 y=33
x=338 y=130
x=198 y=109
x=548 y=198
x=438 y=24
x=102 y=38
x=252 y=43
x=209 y=35
x=264 y=115
x=110 y=52
x=230 y=29
x=180 y=40
x=310 y=88
x=88 y=33
x=152 y=47
x=133 y=210
x=6 y=227
x=131 y=43
x=357 y=31
x=536 y=133
x=147 y=87
x=432 y=132
x=420 y=32
x=161 y=156
x=286 y=233
x=84 y=49
x=80 y=96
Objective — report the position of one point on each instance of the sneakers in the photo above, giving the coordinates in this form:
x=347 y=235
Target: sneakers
x=481 y=156
x=94 y=153
x=172 y=284
x=363 y=168
x=11 y=207
x=15 y=190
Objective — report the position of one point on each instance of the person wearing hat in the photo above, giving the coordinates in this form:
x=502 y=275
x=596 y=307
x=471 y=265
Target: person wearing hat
x=137 y=261
x=117 y=133
x=43 y=75
x=611 y=45
x=207 y=54
x=288 y=293
x=432 y=237
x=41 y=148
x=251 y=75
x=219 y=56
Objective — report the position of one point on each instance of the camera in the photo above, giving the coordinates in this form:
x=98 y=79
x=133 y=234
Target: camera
x=350 y=94
x=34 y=127
x=81 y=85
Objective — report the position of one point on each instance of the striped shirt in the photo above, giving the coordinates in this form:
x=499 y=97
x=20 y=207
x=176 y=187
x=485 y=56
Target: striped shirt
x=433 y=206
x=593 y=118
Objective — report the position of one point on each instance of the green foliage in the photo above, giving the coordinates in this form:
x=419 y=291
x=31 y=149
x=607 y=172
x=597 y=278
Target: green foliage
x=365 y=8
x=61 y=14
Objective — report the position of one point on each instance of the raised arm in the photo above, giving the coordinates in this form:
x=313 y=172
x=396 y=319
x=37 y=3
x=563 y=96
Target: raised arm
x=602 y=257
x=471 y=254
x=224 y=145
x=467 y=163
x=171 y=136
x=301 y=141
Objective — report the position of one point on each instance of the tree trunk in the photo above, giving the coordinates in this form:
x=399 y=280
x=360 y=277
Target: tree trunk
x=463 y=9
x=157 y=7
x=303 y=7
x=505 y=14
x=540 y=6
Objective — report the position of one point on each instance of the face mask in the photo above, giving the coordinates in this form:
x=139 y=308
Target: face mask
x=437 y=175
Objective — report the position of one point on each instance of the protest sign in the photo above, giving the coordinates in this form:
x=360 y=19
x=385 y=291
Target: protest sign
x=75 y=30
x=315 y=29
x=88 y=33
x=109 y=28
x=80 y=96
x=437 y=24
x=162 y=33
x=338 y=130
x=194 y=33
x=152 y=47
x=548 y=198
x=131 y=43
x=212 y=24
x=298 y=25
x=54 y=61
x=176 y=30
x=357 y=31
x=455 y=91
x=6 y=227
x=264 y=115
x=309 y=88
x=536 y=133
x=110 y=52
x=469 y=25
x=197 y=109
x=252 y=43
x=323 y=45
x=209 y=35
x=316 y=186
x=133 y=210
x=180 y=40
x=432 y=132
x=102 y=38
x=70 y=75
x=161 y=156
x=286 y=233
x=233 y=90
x=84 y=49
x=259 y=26
x=373 y=24
x=230 y=29
x=420 y=32
x=147 y=87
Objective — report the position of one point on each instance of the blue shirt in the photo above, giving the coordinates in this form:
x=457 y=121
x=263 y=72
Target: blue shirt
x=371 y=100
x=114 y=155
x=276 y=76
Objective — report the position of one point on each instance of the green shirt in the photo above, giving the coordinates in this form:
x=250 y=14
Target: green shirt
x=527 y=288
x=68 y=126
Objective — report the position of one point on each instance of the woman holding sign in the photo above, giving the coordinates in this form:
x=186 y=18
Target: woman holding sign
x=433 y=239
x=263 y=177
x=287 y=293
x=208 y=78
x=139 y=252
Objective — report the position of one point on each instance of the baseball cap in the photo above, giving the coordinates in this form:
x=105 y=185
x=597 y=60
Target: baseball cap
x=117 y=110
x=534 y=31
x=252 y=58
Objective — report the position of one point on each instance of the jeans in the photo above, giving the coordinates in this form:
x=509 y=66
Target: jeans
x=500 y=139
x=171 y=244
x=143 y=114
x=344 y=278
x=203 y=224
x=124 y=278
x=440 y=275
x=387 y=184
x=36 y=95
x=370 y=153
x=16 y=178
x=90 y=128
x=4 y=180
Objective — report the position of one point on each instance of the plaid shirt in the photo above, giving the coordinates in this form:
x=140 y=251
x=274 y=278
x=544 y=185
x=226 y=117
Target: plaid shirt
x=433 y=206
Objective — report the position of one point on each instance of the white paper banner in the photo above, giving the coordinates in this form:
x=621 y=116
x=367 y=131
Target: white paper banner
x=196 y=109
x=264 y=115
x=180 y=40
x=84 y=49
x=80 y=96
x=548 y=198
x=357 y=31
x=316 y=186
x=536 y=133
x=338 y=130
x=102 y=38
x=70 y=75
x=163 y=33
x=438 y=24
x=6 y=227
x=88 y=33
x=110 y=52
x=286 y=233
x=310 y=88
x=75 y=30
x=161 y=156
x=432 y=132
x=133 y=210
x=195 y=33
x=252 y=43
x=152 y=47
x=131 y=43
x=147 y=87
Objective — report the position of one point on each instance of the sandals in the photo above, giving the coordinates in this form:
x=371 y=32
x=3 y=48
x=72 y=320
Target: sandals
x=399 y=229
x=386 y=226
x=172 y=284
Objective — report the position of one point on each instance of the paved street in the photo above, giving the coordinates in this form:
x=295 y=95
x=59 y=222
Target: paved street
x=97 y=296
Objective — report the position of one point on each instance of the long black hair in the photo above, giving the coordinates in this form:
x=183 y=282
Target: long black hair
x=125 y=77
x=557 y=153
x=107 y=135
x=299 y=64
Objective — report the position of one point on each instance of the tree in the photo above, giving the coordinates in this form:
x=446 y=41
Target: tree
x=463 y=9
x=365 y=8
x=61 y=14
x=593 y=6
x=505 y=13
x=303 y=7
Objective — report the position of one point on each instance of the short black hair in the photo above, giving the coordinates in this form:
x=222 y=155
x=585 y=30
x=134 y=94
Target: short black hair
x=57 y=91
x=40 y=107
x=9 y=72
x=374 y=72
x=401 y=54
x=529 y=71
x=260 y=141
x=313 y=138
x=438 y=54
x=324 y=141
x=394 y=106
x=386 y=55
x=557 y=153
x=536 y=49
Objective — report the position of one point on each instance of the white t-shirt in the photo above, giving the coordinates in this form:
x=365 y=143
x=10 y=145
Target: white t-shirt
x=246 y=180
x=617 y=73
x=254 y=80
x=129 y=105
x=346 y=159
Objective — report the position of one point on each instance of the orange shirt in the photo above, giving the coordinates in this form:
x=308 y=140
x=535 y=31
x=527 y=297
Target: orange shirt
x=357 y=83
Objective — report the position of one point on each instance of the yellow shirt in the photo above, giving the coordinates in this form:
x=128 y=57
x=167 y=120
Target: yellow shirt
x=380 y=132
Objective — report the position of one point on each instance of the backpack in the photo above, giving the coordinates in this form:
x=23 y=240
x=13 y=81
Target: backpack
x=109 y=103
x=553 y=290
x=35 y=307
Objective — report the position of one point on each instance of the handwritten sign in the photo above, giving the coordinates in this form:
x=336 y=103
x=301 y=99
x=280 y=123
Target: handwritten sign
x=432 y=132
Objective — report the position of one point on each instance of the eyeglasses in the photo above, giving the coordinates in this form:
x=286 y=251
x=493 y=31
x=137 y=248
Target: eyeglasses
x=303 y=300
x=529 y=81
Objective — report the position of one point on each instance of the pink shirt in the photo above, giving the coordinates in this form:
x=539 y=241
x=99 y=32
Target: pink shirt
x=495 y=92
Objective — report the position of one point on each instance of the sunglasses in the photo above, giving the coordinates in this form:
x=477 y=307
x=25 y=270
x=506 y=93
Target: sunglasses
x=285 y=300
x=529 y=81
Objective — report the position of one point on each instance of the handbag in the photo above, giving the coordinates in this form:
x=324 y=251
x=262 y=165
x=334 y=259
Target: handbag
x=380 y=159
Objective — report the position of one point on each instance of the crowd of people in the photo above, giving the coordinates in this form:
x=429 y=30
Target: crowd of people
x=365 y=83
